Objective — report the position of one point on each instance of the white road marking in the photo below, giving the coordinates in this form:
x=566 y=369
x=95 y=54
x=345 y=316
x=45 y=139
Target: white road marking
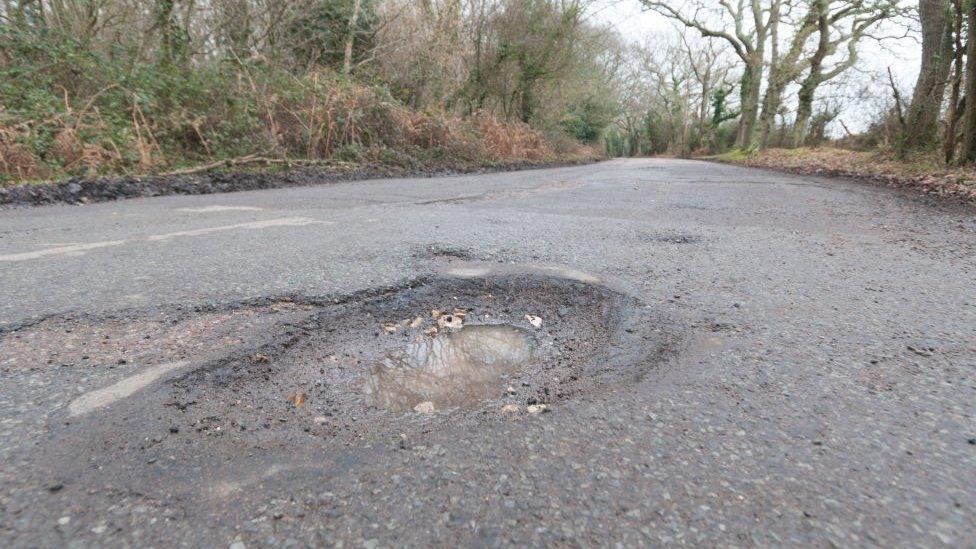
x=212 y=209
x=79 y=249
x=283 y=222
x=73 y=248
x=99 y=398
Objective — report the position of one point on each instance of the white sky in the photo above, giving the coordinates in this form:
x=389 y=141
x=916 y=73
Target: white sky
x=902 y=54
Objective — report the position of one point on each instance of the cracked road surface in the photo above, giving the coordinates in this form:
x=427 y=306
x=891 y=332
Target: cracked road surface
x=797 y=367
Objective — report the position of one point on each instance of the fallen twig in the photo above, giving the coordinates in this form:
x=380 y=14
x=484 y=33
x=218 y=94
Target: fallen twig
x=254 y=159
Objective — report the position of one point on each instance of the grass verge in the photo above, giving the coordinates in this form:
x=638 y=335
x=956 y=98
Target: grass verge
x=924 y=173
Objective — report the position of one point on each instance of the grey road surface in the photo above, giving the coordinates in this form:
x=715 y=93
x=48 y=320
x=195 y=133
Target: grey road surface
x=821 y=387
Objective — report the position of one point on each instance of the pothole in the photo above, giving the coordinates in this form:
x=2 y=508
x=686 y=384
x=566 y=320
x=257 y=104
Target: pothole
x=379 y=369
x=449 y=345
x=671 y=238
x=378 y=364
x=458 y=369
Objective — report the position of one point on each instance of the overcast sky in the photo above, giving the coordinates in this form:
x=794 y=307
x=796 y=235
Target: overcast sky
x=635 y=24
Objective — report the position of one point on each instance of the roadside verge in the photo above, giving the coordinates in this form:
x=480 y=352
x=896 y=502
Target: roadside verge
x=103 y=189
x=923 y=176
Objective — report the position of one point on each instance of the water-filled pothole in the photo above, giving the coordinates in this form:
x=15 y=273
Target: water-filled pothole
x=281 y=414
x=459 y=368
x=358 y=368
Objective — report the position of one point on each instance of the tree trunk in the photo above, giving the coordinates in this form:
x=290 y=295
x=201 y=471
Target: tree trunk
x=351 y=38
x=749 y=94
x=804 y=110
x=774 y=88
x=808 y=88
x=953 y=115
x=772 y=101
x=967 y=154
x=922 y=122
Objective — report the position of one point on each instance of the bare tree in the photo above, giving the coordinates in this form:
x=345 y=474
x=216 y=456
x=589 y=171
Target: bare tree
x=843 y=28
x=967 y=154
x=750 y=23
x=922 y=119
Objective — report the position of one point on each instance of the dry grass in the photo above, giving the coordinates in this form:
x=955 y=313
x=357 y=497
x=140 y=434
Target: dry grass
x=924 y=173
x=313 y=119
x=16 y=160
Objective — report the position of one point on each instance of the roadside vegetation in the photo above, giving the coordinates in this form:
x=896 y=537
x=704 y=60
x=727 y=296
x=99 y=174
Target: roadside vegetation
x=797 y=84
x=133 y=87
x=180 y=86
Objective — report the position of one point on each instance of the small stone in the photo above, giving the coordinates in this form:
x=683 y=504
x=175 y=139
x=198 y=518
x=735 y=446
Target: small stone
x=510 y=409
x=63 y=521
x=55 y=487
x=537 y=408
x=510 y=390
x=319 y=420
x=238 y=544
x=535 y=321
x=450 y=321
x=425 y=407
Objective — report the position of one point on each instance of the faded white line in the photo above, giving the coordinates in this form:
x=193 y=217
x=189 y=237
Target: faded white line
x=283 y=222
x=63 y=250
x=75 y=249
x=213 y=209
x=99 y=398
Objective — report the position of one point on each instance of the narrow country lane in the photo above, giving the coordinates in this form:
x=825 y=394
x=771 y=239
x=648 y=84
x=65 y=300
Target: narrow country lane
x=703 y=355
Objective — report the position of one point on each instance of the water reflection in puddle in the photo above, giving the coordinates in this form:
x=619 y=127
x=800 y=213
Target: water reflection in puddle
x=456 y=369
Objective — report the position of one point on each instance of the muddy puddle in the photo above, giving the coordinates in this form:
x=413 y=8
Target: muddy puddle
x=458 y=369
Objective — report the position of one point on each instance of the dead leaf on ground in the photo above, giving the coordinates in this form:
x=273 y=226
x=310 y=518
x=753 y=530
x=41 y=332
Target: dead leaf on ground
x=432 y=331
x=262 y=358
x=415 y=323
x=535 y=321
x=297 y=398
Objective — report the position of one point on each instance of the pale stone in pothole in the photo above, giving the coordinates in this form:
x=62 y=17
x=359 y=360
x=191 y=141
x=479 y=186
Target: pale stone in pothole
x=426 y=407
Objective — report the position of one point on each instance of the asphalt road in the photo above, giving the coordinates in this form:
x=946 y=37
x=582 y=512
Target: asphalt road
x=820 y=387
